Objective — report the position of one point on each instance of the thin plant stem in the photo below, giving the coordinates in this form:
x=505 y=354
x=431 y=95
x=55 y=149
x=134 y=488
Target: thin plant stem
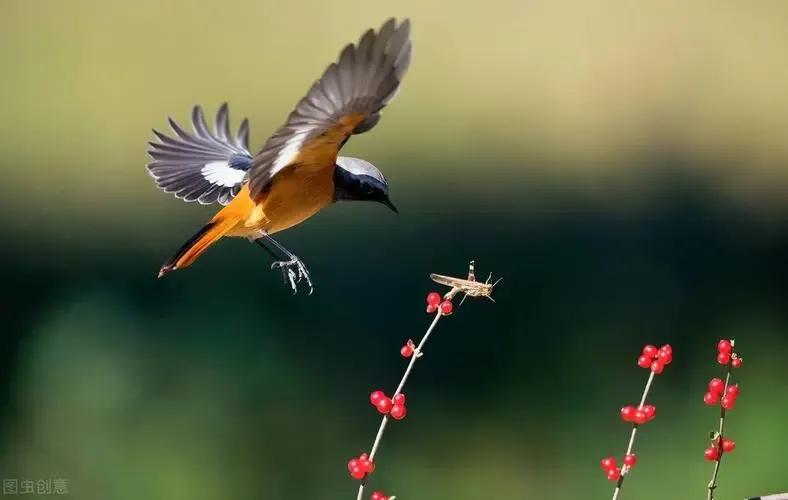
x=713 y=483
x=417 y=352
x=631 y=445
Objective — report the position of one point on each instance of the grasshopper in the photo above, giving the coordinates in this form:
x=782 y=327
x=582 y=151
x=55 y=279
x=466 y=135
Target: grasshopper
x=470 y=287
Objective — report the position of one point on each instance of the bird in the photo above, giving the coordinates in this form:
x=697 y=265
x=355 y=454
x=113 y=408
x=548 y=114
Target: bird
x=298 y=171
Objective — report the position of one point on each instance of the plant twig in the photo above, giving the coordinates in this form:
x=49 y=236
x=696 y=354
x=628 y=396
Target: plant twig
x=469 y=287
x=416 y=355
x=631 y=445
x=723 y=394
x=713 y=483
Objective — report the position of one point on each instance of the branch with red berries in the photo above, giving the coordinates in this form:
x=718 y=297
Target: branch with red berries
x=723 y=394
x=655 y=361
x=394 y=407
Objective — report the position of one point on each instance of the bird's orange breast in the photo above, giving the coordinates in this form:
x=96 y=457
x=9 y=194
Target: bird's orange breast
x=295 y=194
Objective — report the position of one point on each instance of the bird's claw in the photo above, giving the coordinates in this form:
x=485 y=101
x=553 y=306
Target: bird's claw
x=294 y=276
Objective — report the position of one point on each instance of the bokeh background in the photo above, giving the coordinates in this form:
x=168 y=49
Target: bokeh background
x=623 y=165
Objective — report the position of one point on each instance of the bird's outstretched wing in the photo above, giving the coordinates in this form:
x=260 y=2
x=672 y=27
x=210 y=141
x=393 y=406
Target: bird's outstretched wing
x=207 y=167
x=346 y=100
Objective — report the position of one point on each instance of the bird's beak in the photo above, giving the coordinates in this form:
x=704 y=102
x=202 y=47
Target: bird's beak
x=388 y=203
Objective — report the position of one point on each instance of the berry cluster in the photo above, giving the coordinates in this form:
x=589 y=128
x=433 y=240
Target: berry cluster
x=656 y=359
x=395 y=407
x=719 y=394
x=726 y=355
x=379 y=495
x=718 y=446
x=360 y=467
x=639 y=416
x=613 y=471
x=435 y=302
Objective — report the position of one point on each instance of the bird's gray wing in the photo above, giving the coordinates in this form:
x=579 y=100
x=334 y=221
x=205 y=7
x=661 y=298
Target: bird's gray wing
x=207 y=167
x=346 y=100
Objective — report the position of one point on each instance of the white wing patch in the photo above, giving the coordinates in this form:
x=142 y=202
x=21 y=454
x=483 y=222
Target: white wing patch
x=206 y=167
x=222 y=174
x=289 y=151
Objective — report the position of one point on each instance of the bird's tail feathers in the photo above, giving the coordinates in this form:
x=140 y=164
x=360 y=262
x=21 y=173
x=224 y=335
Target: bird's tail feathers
x=197 y=244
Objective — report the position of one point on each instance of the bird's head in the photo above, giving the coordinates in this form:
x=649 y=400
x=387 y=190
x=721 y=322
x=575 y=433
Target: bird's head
x=359 y=180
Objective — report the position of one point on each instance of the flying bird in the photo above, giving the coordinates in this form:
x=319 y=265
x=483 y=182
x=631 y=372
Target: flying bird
x=297 y=172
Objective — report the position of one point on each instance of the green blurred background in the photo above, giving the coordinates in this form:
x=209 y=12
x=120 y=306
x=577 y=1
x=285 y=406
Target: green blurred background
x=623 y=165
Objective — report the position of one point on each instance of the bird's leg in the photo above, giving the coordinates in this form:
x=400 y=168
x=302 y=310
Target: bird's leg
x=293 y=268
x=261 y=241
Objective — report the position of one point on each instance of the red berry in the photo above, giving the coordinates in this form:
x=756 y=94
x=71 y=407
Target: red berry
x=665 y=357
x=650 y=411
x=733 y=391
x=628 y=413
x=614 y=474
x=716 y=386
x=384 y=405
x=728 y=402
x=376 y=396
x=366 y=465
x=406 y=351
x=650 y=351
x=657 y=367
x=724 y=358
x=711 y=398
x=630 y=460
x=644 y=361
x=724 y=345
x=360 y=467
x=399 y=399
x=712 y=453
x=431 y=309
x=608 y=463
x=433 y=299
x=378 y=495
x=736 y=363
x=640 y=417
x=446 y=307
x=398 y=412
x=666 y=349
x=728 y=445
